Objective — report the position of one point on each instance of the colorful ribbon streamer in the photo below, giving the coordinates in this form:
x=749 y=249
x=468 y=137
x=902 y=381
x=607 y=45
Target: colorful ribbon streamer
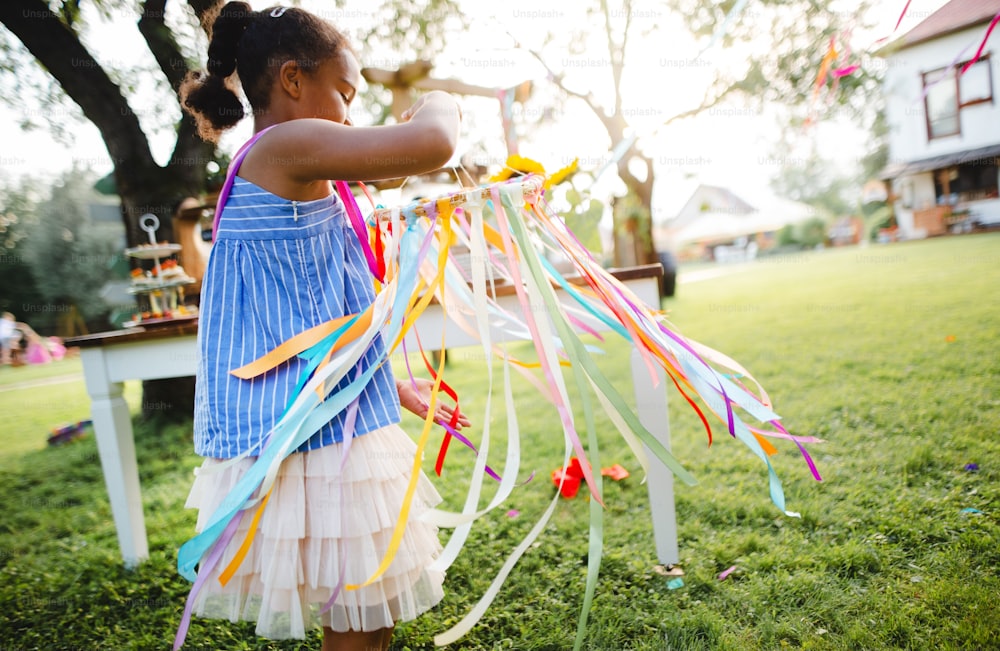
x=409 y=251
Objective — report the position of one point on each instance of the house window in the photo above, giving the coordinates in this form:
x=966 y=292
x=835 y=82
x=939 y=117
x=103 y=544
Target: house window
x=976 y=85
x=946 y=93
x=941 y=103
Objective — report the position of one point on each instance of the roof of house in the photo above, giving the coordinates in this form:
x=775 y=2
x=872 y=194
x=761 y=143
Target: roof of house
x=713 y=198
x=715 y=214
x=952 y=17
x=981 y=156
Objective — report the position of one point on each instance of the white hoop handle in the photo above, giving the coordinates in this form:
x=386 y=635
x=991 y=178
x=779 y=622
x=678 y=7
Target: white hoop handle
x=149 y=223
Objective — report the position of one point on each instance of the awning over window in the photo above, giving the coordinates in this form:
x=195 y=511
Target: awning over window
x=981 y=156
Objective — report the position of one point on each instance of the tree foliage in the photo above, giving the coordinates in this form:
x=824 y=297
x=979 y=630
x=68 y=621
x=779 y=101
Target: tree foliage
x=130 y=100
x=114 y=93
x=56 y=257
x=773 y=49
x=780 y=45
x=416 y=29
x=785 y=42
x=72 y=255
x=17 y=214
x=815 y=180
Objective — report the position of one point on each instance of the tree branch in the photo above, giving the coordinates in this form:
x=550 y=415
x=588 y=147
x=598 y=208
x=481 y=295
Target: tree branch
x=202 y=8
x=588 y=98
x=161 y=42
x=59 y=50
x=190 y=151
x=621 y=63
x=617 y=62
x=705 y=104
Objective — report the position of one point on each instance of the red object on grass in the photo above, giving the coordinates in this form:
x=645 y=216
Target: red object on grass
x=615 y=472
x=572 y=475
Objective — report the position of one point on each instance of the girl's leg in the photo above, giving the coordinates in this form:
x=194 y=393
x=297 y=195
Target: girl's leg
x=356 y=640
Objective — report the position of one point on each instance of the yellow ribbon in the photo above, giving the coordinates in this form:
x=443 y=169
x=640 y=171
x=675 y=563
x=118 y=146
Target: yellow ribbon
x=445 y=237
x=247 y=541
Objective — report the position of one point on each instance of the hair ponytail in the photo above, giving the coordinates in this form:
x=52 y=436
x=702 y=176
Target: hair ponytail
x=209 y=98
x=254 y=45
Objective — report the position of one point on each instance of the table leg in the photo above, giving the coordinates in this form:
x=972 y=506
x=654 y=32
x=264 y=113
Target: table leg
x=651 y=403
x=116 y=446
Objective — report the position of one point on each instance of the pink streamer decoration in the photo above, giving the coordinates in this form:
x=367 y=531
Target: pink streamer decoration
x=347 y=198
x=945 y=75
x=725 y=573
x=564 y=415
x=580 y=325
x=805 y=454
x=901 y=15
x=979 y=52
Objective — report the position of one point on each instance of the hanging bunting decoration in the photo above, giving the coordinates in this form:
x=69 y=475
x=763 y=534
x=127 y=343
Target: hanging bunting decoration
x=952 y=70
x=982 y=44
x=834 y=66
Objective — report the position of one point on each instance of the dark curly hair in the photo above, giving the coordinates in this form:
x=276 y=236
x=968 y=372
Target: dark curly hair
x=253 y=44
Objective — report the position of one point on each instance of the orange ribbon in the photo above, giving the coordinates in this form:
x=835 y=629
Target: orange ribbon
x=306 y=339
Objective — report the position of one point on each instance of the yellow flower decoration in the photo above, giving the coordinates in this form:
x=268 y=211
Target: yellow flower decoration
x=561 y=175
x=524 y=165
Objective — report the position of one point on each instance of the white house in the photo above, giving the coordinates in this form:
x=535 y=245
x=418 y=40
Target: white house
x=716 y=218
x=944 y=128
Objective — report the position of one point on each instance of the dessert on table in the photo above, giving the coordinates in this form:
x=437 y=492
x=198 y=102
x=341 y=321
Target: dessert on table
x=160 y=289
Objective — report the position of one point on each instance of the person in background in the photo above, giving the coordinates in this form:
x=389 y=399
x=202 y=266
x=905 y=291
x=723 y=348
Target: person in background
x=10 y=336
x=36 y=350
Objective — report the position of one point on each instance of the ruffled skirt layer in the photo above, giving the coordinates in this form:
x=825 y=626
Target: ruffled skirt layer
x=318 y=521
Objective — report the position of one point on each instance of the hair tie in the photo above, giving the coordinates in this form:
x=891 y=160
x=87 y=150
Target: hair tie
x=277 y=12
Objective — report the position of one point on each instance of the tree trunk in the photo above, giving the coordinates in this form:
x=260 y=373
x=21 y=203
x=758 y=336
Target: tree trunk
x=171 y=399
x=158 y=191
x=144 y=186
x=633 y=216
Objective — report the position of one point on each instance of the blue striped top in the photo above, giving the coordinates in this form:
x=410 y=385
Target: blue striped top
x=277 y=268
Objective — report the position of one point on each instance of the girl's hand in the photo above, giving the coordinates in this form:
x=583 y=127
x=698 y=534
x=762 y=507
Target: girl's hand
x=417 y=400
x=435 y=96
x=408 y=113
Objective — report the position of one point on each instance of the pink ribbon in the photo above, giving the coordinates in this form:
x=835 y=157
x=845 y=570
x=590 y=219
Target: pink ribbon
x=989 y=30
x=347 y=197
x=234 y=168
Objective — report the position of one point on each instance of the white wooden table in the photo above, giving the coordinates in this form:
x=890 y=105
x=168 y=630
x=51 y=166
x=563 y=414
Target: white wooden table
x=110 y=359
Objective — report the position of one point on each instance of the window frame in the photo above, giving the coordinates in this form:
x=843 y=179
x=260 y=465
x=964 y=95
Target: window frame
x=985 y=61
x=957 y=93
x=926 y=91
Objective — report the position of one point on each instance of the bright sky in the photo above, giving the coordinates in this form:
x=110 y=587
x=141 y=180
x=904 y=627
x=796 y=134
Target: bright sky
x=723 y=147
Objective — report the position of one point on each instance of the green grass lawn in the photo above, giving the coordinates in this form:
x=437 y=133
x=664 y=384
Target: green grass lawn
x=36 y=399
x=67 y=367
x=887 y=353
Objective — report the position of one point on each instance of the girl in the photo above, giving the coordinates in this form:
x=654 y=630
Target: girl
x=285 y=259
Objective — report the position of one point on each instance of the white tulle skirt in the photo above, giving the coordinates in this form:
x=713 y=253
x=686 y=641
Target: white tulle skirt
x=317 y=520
